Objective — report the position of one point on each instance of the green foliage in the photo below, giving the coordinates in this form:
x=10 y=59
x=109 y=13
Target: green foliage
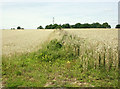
x=55 y=50
x=106 y=25
x=18 y=72
x=54 y=45
x=40 y=27
x=78 y=25
x=86 y=25
x=66 y=25
x=96 y=25
x=55 y=26
x=18 y=27
x=59 y=27
x=117 y=26
x=15 y=83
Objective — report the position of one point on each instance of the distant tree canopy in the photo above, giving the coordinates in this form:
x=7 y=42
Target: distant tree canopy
x=55 y=26
x=40 y=27
x=77 y=25
x=59 y=27
x=12 y=28
x=117 y=26
x=106 y=25
x=66 y=25
x=18 y=27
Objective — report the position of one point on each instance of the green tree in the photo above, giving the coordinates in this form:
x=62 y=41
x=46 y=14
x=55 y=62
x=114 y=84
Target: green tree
x=96 y=25
x=54 y=26
x=77 y=25
x=66 y=25
x=106 y=25
x=59 y=27
x=72 y=26
x=40 y=27
x=117 y=26
x=18 y=27
x=49 y=26
x=86 y=25
x=46 y=27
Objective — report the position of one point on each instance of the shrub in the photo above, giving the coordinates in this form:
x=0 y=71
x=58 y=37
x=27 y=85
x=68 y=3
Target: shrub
x=54 y=45
x=40 y=27
x=117 y=26
x=18 y=27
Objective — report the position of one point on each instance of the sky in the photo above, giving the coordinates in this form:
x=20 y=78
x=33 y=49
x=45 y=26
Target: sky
x=32 y=14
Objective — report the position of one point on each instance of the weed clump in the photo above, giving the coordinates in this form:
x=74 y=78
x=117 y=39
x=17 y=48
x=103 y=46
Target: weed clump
x=54 y=45
x=55 y=50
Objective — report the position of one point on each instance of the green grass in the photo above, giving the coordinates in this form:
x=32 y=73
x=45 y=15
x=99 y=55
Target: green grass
x=68 y=62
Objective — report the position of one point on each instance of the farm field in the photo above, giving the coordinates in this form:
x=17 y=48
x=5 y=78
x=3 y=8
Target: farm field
x=28 y=40
x=107 y=36
x=60 y=58
x=20 y=41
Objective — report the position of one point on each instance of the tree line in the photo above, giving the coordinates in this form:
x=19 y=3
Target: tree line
x=77 y=25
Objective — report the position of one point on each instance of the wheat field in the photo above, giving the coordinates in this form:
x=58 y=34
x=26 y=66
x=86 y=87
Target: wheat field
x=20 y=41
x=106 y=36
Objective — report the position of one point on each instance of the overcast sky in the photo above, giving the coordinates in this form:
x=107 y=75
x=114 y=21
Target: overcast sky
x=30 y=15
